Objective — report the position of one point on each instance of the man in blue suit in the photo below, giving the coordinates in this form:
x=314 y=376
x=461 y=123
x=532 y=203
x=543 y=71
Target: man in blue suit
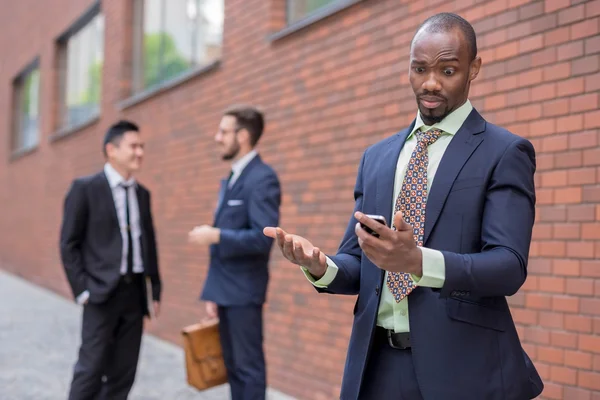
x=431 y=320
x=236 y=285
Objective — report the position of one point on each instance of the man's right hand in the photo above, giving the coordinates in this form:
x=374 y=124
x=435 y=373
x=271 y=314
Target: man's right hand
x=211 y=309
x=299 y=251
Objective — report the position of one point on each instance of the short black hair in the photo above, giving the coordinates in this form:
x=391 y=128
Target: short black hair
x=115 y=133
x=249 y=118
x=446 y=22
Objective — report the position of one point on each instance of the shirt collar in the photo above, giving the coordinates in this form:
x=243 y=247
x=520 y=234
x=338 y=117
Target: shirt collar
x=238 y=166
x=114 y=178
x=451 y=124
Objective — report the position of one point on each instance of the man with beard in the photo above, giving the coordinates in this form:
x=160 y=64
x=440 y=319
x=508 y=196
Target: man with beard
x=236 y=285
x=457 y=193
x=108 y=249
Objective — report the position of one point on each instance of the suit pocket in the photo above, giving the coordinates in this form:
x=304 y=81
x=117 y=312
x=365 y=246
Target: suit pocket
x=475 y=314
x=466 y=183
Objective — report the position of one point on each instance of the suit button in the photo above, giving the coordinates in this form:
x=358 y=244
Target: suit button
x=377 y=290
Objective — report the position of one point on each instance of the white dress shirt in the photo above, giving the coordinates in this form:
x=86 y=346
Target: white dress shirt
x=238 y=167
x=118 y=186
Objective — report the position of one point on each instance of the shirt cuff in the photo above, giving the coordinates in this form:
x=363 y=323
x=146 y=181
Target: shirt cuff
x=83 y=297
x=326 y=279
x=434 y=269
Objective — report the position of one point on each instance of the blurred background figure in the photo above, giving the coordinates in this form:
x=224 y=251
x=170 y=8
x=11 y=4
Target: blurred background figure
x=108 y=247
x=236 y=285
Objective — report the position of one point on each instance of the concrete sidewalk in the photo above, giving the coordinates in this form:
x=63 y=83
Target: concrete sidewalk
x=39 y=339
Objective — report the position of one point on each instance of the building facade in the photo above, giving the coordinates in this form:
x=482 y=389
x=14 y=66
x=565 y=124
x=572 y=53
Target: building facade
x=332 y=78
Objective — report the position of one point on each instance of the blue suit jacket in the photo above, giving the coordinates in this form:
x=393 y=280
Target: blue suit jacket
x=238 y=273
x=480 y=214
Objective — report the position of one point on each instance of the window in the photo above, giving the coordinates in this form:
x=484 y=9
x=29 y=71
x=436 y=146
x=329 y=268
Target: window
x=299 y=9
x=82 y=58
x=26 y=109
x=174 y=36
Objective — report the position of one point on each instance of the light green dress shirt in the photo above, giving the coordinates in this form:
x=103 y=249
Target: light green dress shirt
x=392 y=315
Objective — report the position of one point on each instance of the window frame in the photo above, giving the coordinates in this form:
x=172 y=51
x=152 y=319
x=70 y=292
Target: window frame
x=16 y=110
x=64 y=129
x=138 y=91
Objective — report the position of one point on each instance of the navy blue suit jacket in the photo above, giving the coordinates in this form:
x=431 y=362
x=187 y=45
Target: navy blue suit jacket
x=480 y=214
x=238 y=273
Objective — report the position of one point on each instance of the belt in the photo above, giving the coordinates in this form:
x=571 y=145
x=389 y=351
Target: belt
x=130 y=278
x=400 y=341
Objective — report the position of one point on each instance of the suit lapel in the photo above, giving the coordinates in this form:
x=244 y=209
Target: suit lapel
x=464 y=143
x=106 y=196
x=225 y=193
x=387 y=174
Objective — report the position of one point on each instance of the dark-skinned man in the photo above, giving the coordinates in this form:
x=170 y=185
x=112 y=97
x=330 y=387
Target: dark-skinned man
x=431 y=320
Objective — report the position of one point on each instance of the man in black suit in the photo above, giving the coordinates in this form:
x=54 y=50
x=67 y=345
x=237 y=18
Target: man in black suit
x=108 y=249
x=236 y=286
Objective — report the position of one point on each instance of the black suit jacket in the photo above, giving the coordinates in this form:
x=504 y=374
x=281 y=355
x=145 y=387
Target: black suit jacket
x=91 y=242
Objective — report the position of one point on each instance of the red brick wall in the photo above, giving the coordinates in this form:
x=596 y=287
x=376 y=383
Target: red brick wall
x=329 y=91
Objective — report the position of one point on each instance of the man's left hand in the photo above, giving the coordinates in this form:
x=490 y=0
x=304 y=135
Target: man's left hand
x=393 y=250
x=205 y=235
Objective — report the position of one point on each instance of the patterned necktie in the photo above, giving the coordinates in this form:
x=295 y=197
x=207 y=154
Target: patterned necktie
x=411 y=201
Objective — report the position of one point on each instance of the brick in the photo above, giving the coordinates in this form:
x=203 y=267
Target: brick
x=580 y=249
x=581 y=176
x=552 y=249
x=570 y=15
x=578 y=359
x=495 y=102
x=553 y=5
x=552 y=390
x=557 y=36
x=581 y=212
x=569 y=123
x=568 y=195
x=566 y=231
x=592 y=45
x=589 y=343
x=592 y=82
x=530 y=77
x=569 y=159
x=585 y=65
x=567 y=304
x=557 y=71
x=570 y=50
x=591 y=120
x=543 y=92
x=591 y=193
x=552 y=213
x=563 y=375
x=575 y=393
x=590 y=268
x=531 y=43
x=592 y=8
x=585 y=28
x=566 y=267
x=591 y=157
x=548 y=55
x=553 y=108
x=542 y=232
x=584 y=102
x=590 y=306
x=538 y=266
x=589 y=380
x=526 y=317
x=542 y=336
x=551 y=284
x=570 y=87
x=538 y=301
x=591 y=231
x=578 y=323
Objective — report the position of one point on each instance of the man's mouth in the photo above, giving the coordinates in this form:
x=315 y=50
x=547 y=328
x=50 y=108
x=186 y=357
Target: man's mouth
x=430 y=102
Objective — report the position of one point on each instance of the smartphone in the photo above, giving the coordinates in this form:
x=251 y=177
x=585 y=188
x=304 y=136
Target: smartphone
x=378 y=218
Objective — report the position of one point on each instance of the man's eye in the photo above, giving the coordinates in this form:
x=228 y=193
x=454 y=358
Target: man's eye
x=449 y=72
x=419 y=70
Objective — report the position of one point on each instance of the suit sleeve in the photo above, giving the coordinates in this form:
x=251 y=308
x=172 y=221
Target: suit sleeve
x=153 y=254
x=263 y=211
x=72 y=234
x=500 y=269
x=348 y=258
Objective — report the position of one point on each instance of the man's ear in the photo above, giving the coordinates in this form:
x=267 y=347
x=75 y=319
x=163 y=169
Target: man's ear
x=243 y=136
x=474 y=68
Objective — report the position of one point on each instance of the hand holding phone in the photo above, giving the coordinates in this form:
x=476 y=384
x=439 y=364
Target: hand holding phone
x=378 y=218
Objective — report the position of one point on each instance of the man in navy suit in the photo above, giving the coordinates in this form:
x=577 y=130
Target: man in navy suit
x=431 y=320
x=236 y=285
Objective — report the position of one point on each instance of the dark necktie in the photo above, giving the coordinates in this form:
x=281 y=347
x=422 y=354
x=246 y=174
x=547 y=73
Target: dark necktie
x=129 y=271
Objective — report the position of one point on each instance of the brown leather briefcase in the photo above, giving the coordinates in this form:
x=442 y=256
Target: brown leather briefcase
x=203 y=356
